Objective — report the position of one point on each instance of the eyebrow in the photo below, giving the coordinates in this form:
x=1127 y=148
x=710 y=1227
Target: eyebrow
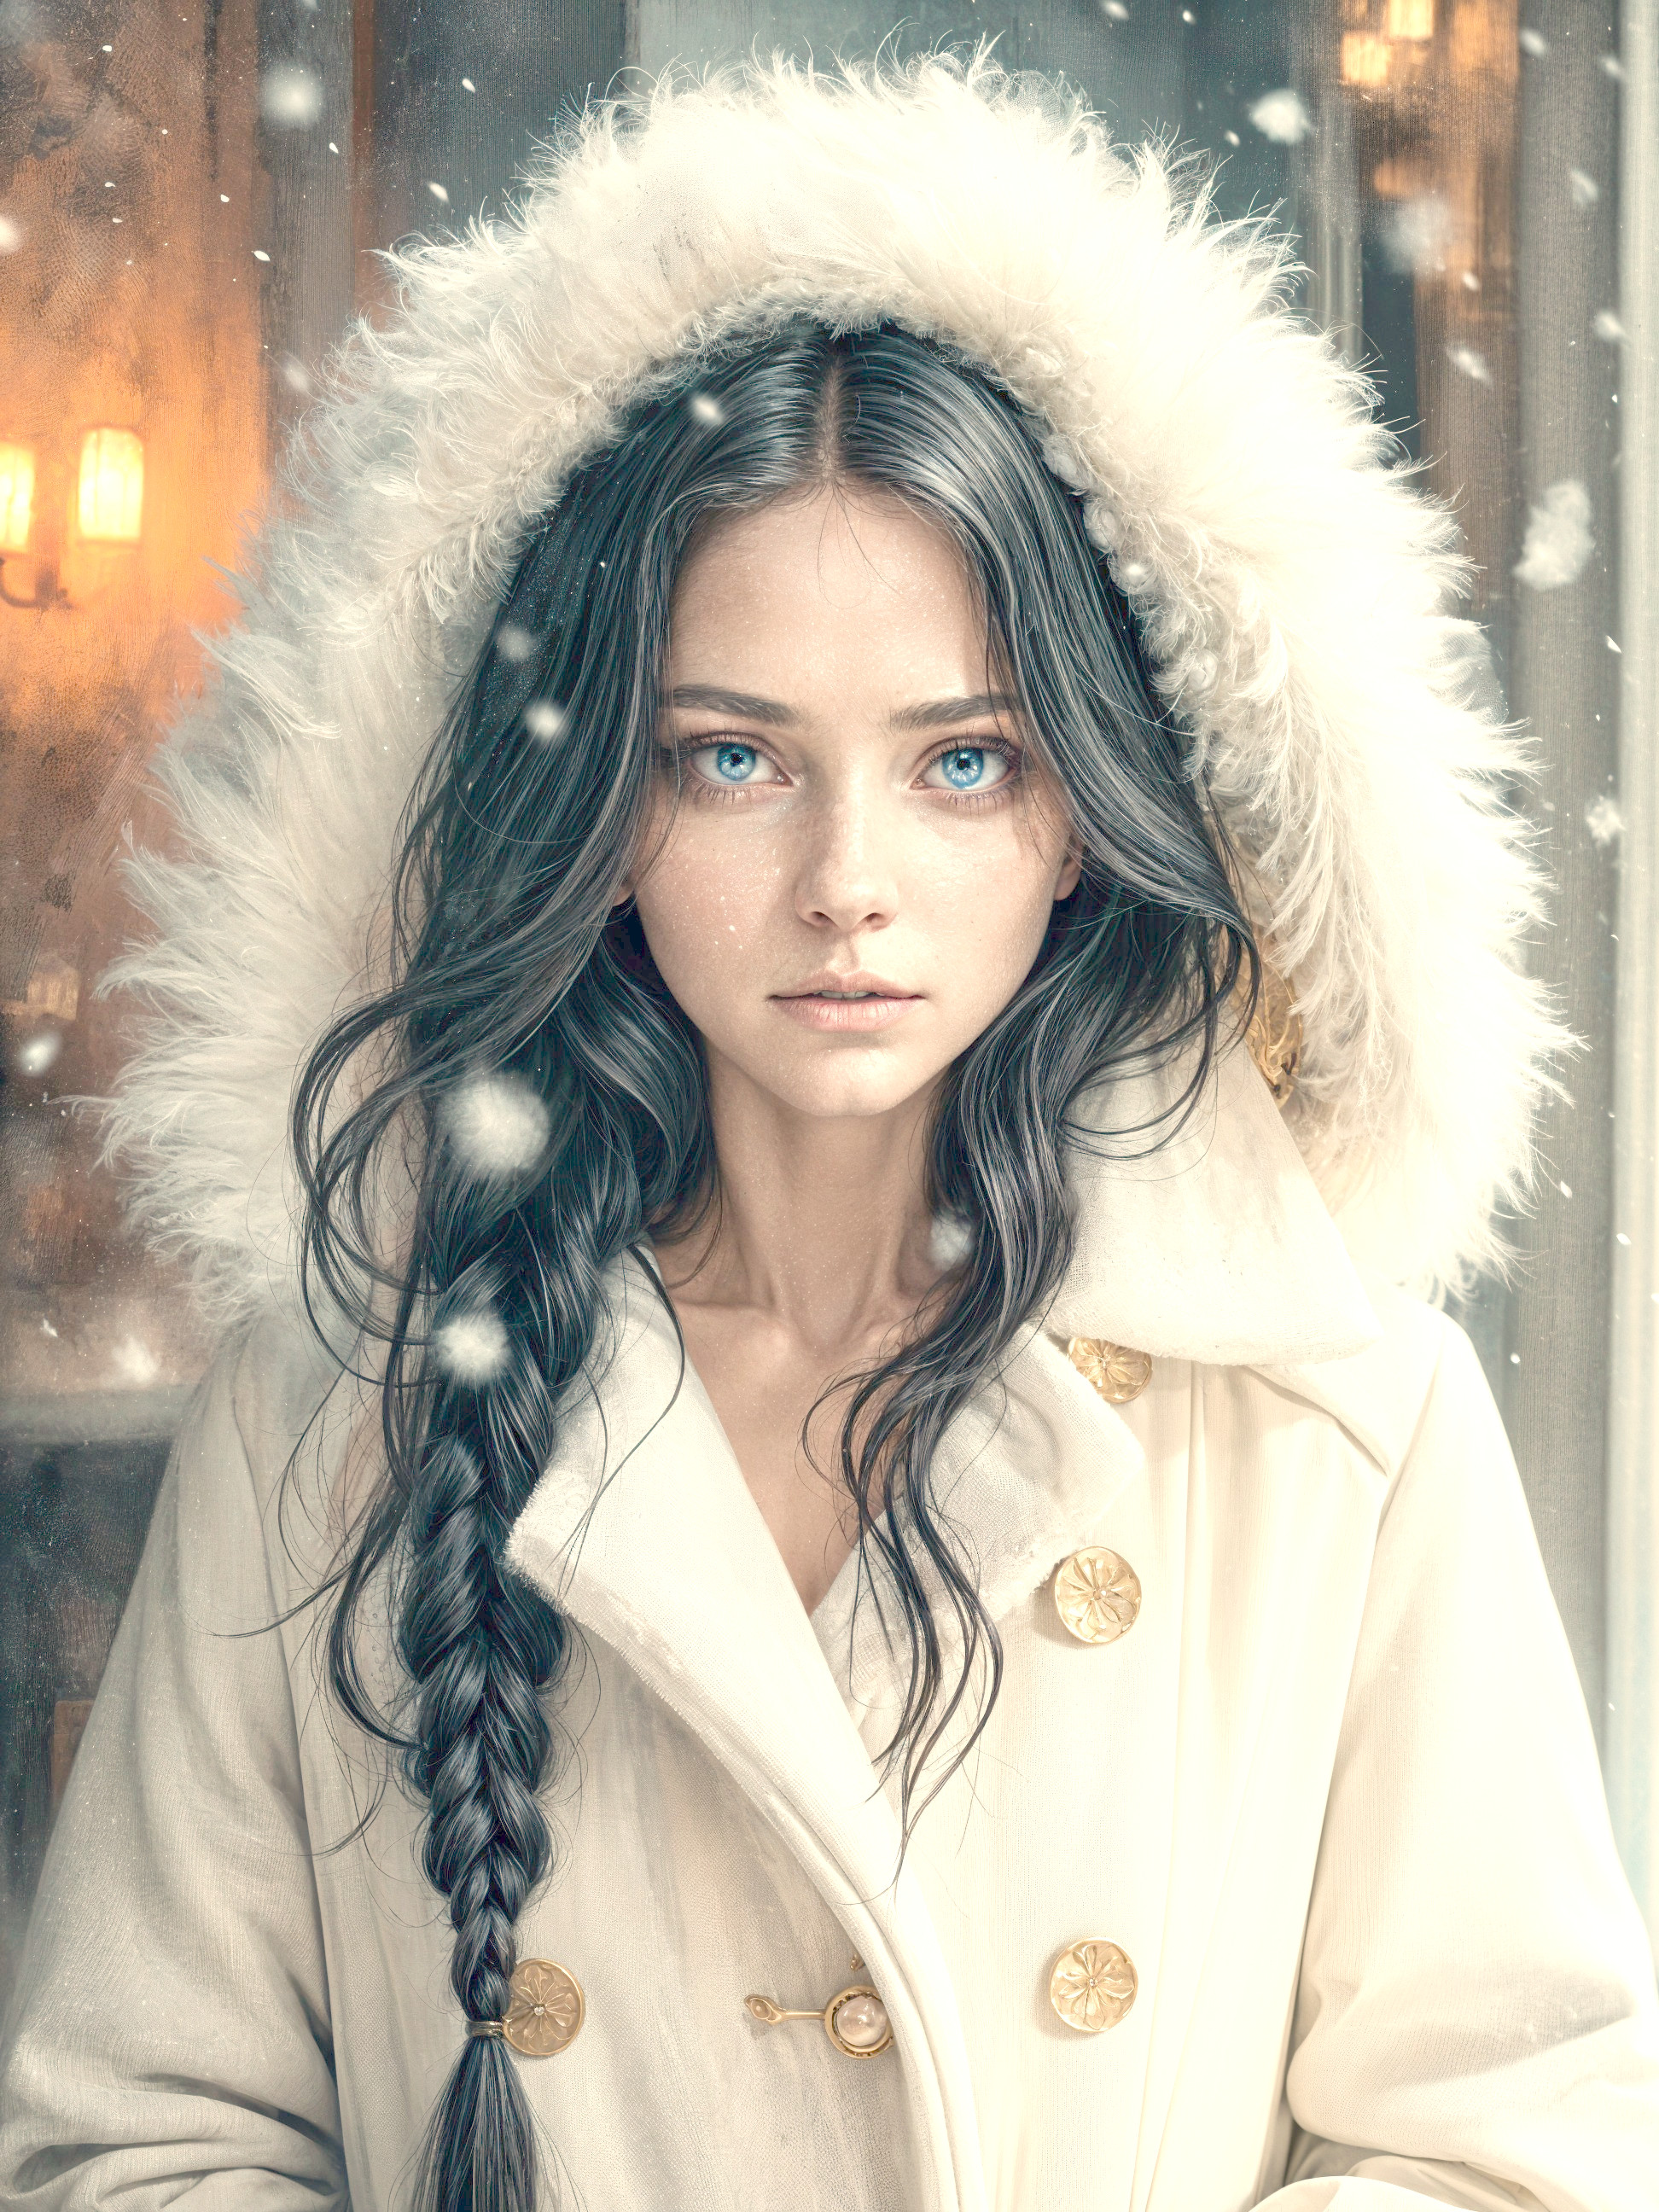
x=931 y=714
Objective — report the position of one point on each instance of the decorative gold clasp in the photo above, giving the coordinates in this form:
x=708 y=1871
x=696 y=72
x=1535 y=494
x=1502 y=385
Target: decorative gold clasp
x=854 y=2020
x=544 y=2013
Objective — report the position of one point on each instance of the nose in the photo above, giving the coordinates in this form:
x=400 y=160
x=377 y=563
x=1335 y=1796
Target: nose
x=848 y=880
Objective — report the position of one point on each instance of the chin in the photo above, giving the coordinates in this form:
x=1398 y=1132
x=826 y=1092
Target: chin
x=832 y=1088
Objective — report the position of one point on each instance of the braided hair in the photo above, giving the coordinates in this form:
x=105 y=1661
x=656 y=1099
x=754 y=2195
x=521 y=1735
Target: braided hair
x=548 y=1094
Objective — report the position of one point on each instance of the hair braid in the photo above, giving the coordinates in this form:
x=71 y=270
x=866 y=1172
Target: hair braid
x=479 y=1647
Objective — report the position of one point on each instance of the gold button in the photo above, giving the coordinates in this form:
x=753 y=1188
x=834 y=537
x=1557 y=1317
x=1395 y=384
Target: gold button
x=1092 y=1985
x=545 y=2012
x=1117 y=1373
x=1097 y=1595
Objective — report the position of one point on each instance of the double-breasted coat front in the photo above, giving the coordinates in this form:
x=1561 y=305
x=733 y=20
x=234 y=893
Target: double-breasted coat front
x=1332 y=1796
x=1297 y=1889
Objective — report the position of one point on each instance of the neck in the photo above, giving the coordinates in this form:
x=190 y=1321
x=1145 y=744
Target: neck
x=821 y=1223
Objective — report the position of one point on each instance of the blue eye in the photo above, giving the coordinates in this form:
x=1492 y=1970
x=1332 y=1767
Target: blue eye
x=969 y=767
x=730 y=763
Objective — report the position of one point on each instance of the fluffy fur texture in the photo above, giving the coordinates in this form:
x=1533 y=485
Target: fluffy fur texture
x=1295 y=588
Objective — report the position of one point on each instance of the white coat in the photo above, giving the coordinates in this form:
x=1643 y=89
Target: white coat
x=1334 y=1794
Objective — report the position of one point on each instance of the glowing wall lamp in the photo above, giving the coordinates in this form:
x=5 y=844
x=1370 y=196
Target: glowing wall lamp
x=111 y=502
x=43 y=521
x=16 y=496
x=1365 y=59
x=1408 y=19
x=1368 y=56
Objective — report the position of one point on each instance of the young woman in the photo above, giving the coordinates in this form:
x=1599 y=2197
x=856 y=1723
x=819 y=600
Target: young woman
x=823 y=1567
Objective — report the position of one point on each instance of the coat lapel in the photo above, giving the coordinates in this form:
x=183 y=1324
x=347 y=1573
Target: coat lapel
x=644 y=1531
x=1028 y=1466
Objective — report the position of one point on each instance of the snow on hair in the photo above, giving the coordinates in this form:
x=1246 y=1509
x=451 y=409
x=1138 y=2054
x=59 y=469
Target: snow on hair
x=496 y=1124
x=471 y=1347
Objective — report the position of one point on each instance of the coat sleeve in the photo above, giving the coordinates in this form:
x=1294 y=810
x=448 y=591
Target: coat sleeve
x=170 y=2038
x=1477 y=1999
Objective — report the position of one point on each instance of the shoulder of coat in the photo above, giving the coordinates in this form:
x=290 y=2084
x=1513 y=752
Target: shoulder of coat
x=290 y=1399
x=1377 y=1395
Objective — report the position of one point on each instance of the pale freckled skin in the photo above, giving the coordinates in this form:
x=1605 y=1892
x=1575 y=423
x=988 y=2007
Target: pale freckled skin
x=845 y=856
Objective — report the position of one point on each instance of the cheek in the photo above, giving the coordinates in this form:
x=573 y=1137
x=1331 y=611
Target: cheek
x=986 y=903
x=706 y=904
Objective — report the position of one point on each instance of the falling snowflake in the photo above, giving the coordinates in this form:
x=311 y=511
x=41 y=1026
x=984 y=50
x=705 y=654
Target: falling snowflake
x=1559 y=542
x=1471 y=362
x=136 y=1363
x=295 y=374
x=497 y=1125
x=37 y=1055
x=1534 y=43
x=1603 y=820
x=1281 y=117
x=1417 y=234
x=437 y=192
x=705 y=408
x=291 y=95
x=950 y=1241
x=1607 y=325
x=545 y=720
x=1585 y=190
x=514 y=642
x=11 y=236
x=472 y=1346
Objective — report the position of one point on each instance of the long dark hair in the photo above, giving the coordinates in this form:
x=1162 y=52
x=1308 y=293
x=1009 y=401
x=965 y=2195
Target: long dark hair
x=515 y=981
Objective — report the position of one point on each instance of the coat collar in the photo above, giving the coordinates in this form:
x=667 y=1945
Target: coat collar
x=1214 y=1245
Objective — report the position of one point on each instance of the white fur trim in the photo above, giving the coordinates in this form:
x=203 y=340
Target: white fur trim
x=1294 y=588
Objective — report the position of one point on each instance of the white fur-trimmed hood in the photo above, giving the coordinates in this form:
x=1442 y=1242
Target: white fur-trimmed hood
x=1294 y=590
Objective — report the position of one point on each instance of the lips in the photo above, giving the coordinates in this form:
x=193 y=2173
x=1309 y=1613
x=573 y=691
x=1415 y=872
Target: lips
x=856 y=983
x=852 y=1001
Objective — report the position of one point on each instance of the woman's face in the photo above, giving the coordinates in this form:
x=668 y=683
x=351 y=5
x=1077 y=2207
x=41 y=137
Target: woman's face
x=858 y=869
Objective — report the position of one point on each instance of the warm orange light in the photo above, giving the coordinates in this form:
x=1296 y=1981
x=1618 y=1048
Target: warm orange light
x=111 y=485
x=1365 y=58
x=1409 y=19
x=16 y=496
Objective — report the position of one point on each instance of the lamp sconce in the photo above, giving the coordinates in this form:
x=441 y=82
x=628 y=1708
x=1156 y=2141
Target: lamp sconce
x=35 y=515
x=1385 y=43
